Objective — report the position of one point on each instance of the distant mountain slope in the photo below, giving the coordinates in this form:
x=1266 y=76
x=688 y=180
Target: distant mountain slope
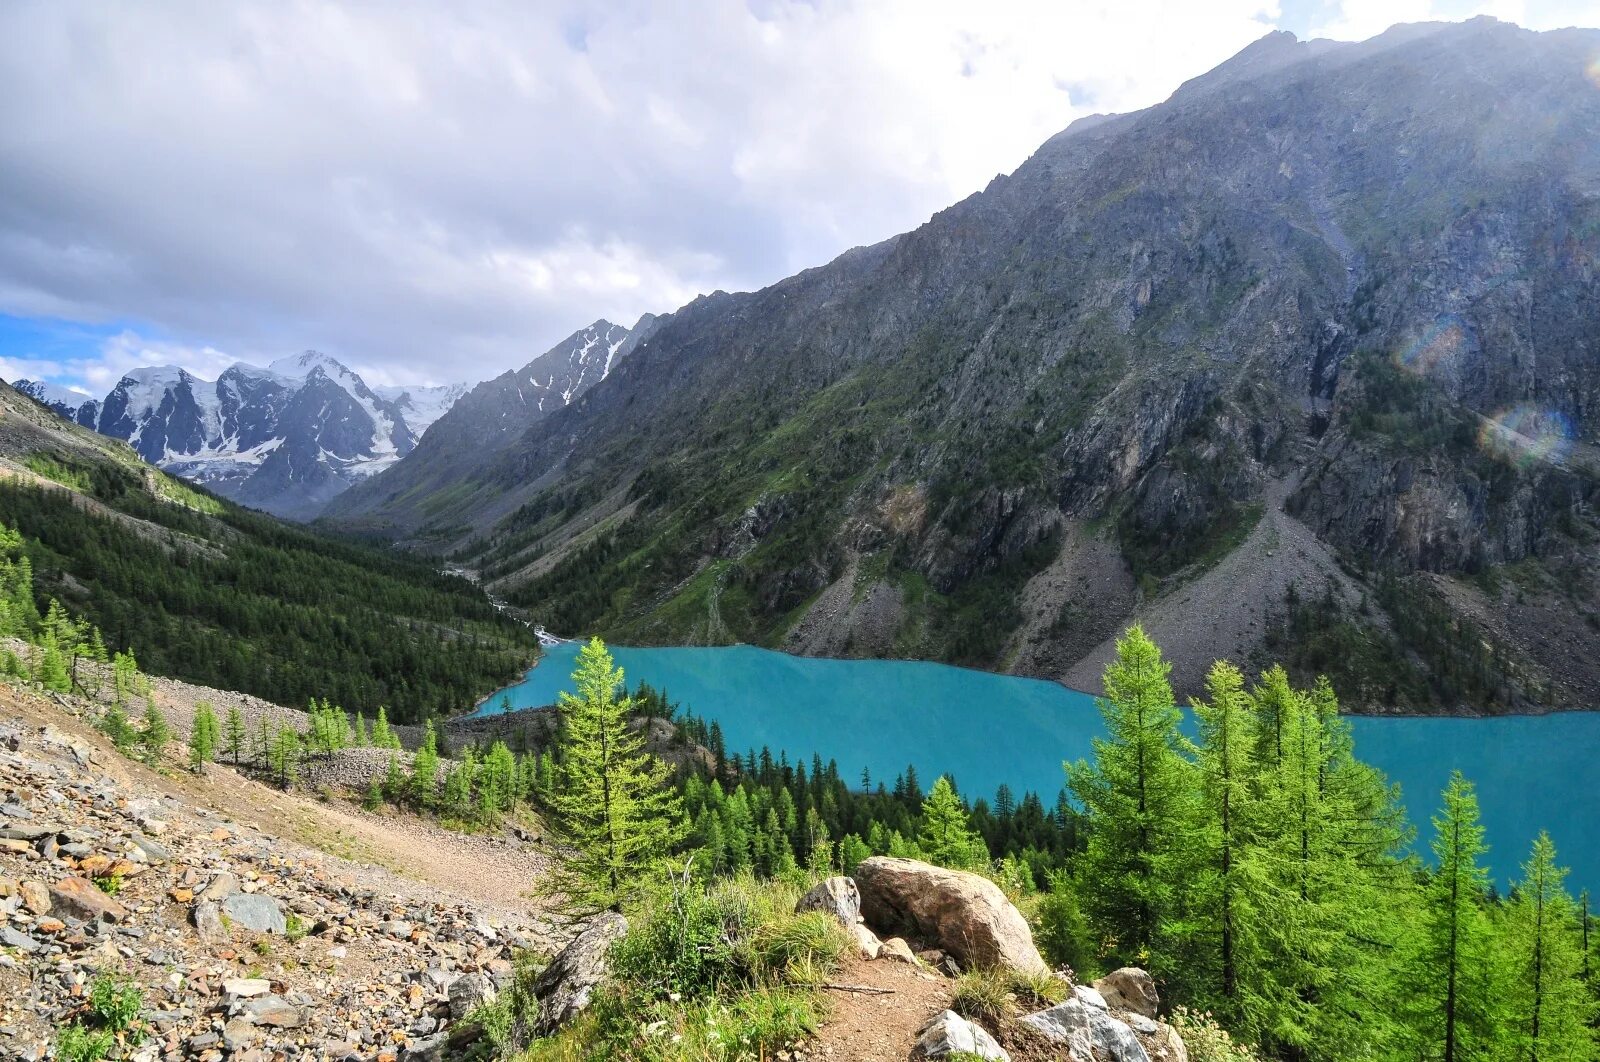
x=208 y=592
x=79 y=408
x=486 y=420
x=284 y=439
x=1352 y=287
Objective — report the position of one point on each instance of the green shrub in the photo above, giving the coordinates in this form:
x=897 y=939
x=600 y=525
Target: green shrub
x=1061 y=931
x=115 y=1002
x=78 y=1044
x=1207 y=1041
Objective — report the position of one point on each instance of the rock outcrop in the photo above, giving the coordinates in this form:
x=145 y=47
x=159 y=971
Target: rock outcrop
x=965 y=915
x=949 y=1032
x=1130 y=989
x=837 y=896
x=1087 y=1029
x=564 y=987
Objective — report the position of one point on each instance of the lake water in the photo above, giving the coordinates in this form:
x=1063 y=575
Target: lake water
x=1532 y=772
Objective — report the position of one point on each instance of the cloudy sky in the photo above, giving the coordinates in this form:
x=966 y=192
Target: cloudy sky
x=438 y=192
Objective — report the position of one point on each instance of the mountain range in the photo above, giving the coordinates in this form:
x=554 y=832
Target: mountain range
x=288 y=438
x=1301 y=362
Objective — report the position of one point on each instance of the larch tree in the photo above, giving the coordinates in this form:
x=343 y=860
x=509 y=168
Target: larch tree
x=1226 y=758
x=947 y=837
x=612 y=804
x=424 y=767
x=1548 y=1006
x=233 y=734
x=1138 y=794
x=1451 y=1012
x=203 y=737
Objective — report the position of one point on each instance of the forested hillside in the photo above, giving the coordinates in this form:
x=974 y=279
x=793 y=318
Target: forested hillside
x=202 y=590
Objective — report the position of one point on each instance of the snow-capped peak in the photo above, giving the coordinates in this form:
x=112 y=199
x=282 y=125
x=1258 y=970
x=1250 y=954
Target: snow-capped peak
x=52 y=394
x=301 y=365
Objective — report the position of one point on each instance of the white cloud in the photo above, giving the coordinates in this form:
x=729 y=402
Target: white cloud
x=438 y=191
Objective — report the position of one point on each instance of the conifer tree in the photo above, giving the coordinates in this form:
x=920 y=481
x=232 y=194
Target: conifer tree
x=233 y=734
x=946 y=837
x=1451 y=1010
x=203 y=737
x=1548 y=1006
x=117 y=727
x=381 y=734
x=283 y=757
x=361 y=738
x=612 y=804
x=50 y=665
x=1226 y=758
x=425 y=768
x=393 y=780
x=1138 y=794
x=156 y=732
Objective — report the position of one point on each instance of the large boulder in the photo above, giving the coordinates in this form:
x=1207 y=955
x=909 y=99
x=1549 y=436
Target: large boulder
x=79 y=898
x=1129 y=989
x=964 y=914
x=948 y=1033
x=563 y=988
x=837 y=896
x=1088 y=1030
x=255 y=912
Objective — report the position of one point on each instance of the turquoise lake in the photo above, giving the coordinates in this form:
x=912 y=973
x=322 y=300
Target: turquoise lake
x=1532 y=772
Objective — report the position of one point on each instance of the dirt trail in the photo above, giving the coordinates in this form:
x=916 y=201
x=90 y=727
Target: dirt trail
x=871 y=1027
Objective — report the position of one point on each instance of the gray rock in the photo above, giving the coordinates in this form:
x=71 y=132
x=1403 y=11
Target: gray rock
x=949 y=1032
x=274 y=1011
x=208 y=922
x=395 y=928
x=429 y=1050
x=11 y=938
x=564 y=987
x=20 y=831
x=255 y=912
x=1130 y=989
x=837 y=896
x=469 y=992
x=153 y=851
x=222 y=886
x=1088 y=1031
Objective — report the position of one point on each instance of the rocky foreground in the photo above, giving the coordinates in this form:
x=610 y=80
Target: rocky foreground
x=243 y=944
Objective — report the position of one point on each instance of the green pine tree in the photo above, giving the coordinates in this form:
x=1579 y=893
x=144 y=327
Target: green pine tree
x=425 y=768
x=1548 y=1005
x=946 y=837
x=156 y=732
x=233 y=734
x=382 y=736
x=283 y=757
x=1219 y=896
x=203 y=737
x=1451 y=1011
x=1139 y=797
x=611 y=805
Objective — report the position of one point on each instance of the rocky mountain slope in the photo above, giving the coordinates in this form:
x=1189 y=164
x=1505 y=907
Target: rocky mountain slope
x=1351 y=285
x=254 y=923
x=284 y=439
x=494 y=414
